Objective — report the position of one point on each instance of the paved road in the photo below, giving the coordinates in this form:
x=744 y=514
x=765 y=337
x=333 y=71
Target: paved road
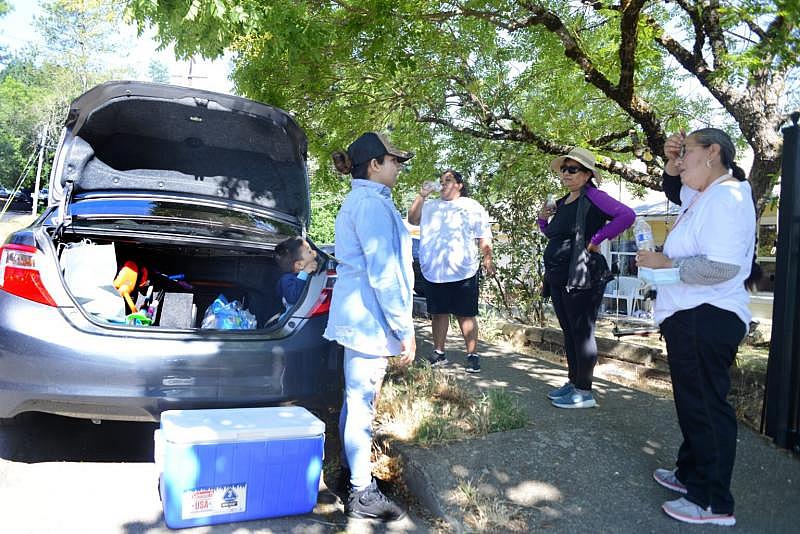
x=60 y=475
x=567 y=471
x=12 y=213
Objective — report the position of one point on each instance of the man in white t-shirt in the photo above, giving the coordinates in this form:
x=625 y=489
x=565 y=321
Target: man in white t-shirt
x=455 y=241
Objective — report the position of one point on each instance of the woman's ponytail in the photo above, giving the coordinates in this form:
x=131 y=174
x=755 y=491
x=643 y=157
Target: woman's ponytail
x=342 y=162
x=756 y=274
x=738 y=172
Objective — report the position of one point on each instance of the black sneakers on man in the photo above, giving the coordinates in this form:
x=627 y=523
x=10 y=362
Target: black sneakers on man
x=370 y=503
x=437 y=358
x=473 y=363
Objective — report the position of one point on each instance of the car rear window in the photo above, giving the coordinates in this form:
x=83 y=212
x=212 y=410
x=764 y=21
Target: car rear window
x=186 y=217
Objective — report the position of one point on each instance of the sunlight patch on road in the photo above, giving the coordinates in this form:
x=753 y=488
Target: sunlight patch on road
x=533 y=492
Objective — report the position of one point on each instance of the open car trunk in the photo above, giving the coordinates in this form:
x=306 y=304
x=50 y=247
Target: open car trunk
x=183 y=195
x=174 y=285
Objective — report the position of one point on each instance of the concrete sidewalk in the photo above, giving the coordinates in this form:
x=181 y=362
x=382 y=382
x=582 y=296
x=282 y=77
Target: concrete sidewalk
x=587 y=470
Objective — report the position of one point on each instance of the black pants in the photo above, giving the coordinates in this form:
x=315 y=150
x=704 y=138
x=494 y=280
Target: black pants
x=701 y=345
x=577 y=311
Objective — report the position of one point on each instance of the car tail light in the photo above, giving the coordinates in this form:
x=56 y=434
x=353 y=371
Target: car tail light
x=19 y=274
x=323 y=304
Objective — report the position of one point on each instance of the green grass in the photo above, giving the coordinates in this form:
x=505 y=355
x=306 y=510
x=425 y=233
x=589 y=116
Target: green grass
x=753 y=358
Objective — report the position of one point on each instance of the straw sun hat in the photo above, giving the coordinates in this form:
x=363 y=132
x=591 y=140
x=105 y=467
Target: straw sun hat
x=582 y=156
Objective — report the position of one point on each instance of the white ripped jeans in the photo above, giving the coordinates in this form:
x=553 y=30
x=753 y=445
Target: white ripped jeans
x=363 y=375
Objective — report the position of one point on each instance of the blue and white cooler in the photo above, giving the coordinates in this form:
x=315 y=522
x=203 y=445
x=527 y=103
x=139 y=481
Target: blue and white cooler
x=220 y=466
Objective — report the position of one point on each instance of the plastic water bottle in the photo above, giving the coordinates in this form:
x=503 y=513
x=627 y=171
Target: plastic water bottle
x=550 y=202
x=432 y=185
x=643 y=235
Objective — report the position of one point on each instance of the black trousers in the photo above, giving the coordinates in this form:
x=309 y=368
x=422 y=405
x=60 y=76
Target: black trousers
x=577 y=311
x=701 y=345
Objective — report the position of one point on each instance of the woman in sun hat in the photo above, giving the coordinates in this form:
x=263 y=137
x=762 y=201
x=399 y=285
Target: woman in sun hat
x=575 y=272
x=370 y=311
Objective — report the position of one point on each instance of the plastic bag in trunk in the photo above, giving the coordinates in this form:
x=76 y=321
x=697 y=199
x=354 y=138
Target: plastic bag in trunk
x=224 y=315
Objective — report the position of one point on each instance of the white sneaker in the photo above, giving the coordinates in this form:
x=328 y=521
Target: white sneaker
x=689 y=512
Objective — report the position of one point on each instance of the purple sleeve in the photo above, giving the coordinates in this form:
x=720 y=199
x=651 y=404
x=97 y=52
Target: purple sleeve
x=542 y=223
x=621 y=215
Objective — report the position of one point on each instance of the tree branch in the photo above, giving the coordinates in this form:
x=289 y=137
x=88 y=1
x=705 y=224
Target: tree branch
x=610 y=138
x=725 y=93
x=712 y=27
x=546 y=146
x=629 y=32
x=697 y=24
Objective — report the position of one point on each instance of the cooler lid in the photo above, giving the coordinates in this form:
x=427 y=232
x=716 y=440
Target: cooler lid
x=239 y=424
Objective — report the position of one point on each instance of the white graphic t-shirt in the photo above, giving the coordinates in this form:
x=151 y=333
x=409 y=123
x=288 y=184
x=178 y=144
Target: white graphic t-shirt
x=449 y=230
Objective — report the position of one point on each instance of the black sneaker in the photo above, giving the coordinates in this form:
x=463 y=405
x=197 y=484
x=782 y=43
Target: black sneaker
x=473 y=363
x=370 y=503
x=437 y=358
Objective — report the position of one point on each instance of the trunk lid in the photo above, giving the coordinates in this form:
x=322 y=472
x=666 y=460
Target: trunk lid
x=123 y=138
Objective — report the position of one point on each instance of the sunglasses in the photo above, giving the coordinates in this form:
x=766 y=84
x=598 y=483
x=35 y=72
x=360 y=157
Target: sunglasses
x=570 y=169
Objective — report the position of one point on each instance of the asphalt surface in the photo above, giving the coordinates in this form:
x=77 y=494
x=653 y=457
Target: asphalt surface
x=62 y=475
x=567 y=471
x=584 y=470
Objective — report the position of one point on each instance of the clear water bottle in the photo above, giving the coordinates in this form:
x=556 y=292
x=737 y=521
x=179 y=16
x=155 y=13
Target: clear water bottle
x=643 y=235
x=550 y=202
x=432 y=185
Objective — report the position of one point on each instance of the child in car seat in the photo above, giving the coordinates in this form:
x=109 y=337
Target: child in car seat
x=298 y=260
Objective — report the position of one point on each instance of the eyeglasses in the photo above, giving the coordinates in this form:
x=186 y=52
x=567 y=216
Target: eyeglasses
x=570 y=169
x=682 y=152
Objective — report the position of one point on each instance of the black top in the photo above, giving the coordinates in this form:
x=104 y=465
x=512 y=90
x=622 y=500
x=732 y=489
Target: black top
x=672 y=187
x=560 y=232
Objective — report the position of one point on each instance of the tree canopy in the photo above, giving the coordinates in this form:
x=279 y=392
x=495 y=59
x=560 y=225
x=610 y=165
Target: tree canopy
x=496 y=88
x=493 y=85
x=37 y=84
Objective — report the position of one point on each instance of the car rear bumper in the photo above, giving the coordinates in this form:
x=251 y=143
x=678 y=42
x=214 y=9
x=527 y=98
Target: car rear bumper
x=55 y=360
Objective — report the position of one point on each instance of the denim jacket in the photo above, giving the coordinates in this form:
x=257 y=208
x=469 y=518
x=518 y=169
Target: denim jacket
x=372 y=299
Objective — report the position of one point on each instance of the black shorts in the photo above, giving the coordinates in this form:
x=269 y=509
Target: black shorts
x=458 y=298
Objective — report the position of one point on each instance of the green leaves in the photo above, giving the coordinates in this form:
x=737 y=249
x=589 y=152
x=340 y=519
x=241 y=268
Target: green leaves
x=495 y=88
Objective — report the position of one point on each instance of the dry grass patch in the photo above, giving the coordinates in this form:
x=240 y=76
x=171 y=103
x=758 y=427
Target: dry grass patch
x=484 y=511
x=420 y=404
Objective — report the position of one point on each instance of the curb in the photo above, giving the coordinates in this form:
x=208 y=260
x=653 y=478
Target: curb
x=651 y=359
x=552 y=339
x=419 y=484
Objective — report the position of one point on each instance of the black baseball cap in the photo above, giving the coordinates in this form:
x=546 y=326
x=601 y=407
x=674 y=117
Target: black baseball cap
x=372 y=145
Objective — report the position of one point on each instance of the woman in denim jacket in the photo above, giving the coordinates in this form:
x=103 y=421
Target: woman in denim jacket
x=370 y=311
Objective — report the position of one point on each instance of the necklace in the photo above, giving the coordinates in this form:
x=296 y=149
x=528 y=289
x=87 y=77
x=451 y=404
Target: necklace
x=723 y=178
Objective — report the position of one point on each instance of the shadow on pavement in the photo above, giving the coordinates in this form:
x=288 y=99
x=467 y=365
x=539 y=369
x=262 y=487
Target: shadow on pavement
x=38 y=437
x=581 y=470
